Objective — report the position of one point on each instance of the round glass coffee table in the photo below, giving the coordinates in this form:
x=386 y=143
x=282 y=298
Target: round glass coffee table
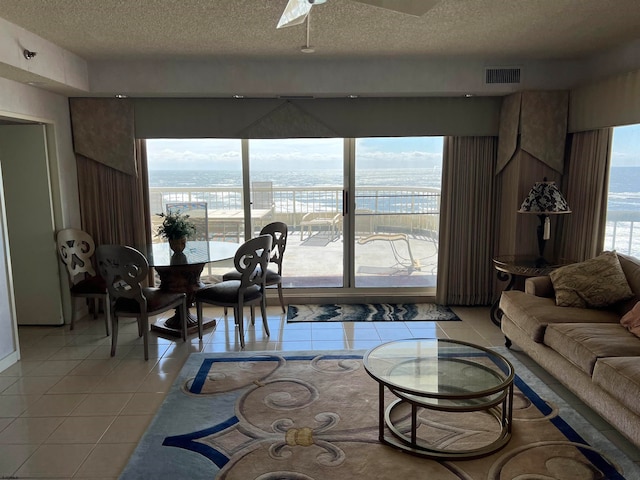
x=429 y=375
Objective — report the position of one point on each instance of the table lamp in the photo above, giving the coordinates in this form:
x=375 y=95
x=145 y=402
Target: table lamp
x=544 y=199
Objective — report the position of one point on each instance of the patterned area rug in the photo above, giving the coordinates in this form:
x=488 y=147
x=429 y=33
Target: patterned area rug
x=314 y=416
x=370 y=312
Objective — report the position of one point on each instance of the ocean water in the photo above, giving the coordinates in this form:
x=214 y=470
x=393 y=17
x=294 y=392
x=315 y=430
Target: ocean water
x=422 y=177
x=624 y=189
x=624 y=184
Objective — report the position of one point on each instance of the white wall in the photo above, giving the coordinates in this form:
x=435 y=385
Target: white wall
x=24 y=102
x=321 y=77
x=53 y=67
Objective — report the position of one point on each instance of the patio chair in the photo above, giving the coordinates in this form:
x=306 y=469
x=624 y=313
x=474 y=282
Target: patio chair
x=75 y=248
x=411 y=264
x=124 y=268
x=320 y=220
x=262 y=199
x=279 y=233
x=251 y=261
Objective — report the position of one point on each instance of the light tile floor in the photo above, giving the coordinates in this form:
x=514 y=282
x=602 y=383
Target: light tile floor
x=70 y=410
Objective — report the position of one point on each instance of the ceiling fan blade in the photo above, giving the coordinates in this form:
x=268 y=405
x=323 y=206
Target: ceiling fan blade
x=294 y=13
x=411 y=7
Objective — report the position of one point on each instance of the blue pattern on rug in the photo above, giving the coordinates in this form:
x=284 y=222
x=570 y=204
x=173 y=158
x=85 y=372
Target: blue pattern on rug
x=192 y=422
x=370 y=312
x=220 y=459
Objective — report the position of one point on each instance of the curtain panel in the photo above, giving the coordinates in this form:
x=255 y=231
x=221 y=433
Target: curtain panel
x=585 y=185
x=467 y=212
x=113 y=205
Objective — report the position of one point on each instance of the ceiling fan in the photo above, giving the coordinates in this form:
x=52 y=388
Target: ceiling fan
x=296 y=11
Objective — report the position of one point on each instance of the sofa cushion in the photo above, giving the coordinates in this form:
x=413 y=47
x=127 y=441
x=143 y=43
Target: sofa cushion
x=532 y=314
x=631 y=320
x=594 y=283
x=631 y=268
x=584 y=343
x=621 y=378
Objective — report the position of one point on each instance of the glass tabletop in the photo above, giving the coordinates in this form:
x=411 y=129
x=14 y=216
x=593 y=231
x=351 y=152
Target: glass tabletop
x=440 y=369
x=196 y=252
x=528 y=265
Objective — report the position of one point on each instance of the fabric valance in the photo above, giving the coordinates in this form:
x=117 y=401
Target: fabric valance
x=103 y=131
x=535 y=122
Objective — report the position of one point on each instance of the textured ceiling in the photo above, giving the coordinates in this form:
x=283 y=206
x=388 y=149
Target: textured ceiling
x=172 y=29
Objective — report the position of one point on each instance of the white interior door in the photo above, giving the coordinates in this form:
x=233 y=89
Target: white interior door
x=30 y=225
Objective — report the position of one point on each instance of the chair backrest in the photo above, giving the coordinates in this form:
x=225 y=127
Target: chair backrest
x=279 y=233
x=251 y=261
x=123 y=268
x=76 y=247
x=198 y=214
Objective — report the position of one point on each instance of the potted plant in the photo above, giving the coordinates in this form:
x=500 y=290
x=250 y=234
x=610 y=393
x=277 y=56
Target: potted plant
x=176 y=228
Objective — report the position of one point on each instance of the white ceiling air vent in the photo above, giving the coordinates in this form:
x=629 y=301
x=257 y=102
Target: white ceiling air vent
x=502 y=75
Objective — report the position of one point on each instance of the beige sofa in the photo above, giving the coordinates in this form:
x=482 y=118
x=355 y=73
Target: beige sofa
x=586 y=349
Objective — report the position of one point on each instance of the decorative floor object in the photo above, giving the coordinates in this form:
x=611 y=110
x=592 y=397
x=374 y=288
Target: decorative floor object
x=370 y=312
x=314 y=415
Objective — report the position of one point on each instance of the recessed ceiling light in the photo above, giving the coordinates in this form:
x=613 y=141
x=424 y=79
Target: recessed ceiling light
x=120 y=95
x=352 y=96
x=238 y=96
x=468 y=95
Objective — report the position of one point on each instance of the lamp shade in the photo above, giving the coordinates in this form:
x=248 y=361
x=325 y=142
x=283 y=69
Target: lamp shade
x=544 y=198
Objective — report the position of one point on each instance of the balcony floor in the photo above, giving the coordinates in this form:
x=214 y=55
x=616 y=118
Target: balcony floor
x=317 y=261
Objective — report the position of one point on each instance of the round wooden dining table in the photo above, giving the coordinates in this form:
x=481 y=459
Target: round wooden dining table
x=180 y=272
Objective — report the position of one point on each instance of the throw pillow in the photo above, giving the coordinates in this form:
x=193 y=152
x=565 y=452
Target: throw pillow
x=594 y=283
x=631 y=320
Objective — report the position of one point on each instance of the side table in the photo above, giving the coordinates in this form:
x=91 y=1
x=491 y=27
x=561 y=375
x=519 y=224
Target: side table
x=510 y=267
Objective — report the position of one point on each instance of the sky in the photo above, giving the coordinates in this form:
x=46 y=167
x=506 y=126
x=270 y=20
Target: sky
x=292 y=154
x=625 y=151
x=320 y=153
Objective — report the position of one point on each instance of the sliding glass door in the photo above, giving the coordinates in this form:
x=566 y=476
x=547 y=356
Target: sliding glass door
x=204 y=179
x=362 y=213
x=396 y=216
x=301 y=182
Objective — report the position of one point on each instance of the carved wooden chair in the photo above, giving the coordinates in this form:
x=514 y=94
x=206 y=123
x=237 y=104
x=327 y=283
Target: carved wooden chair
x=250 y=261
x=124 y=269
x=279 y=233
x=75 y=248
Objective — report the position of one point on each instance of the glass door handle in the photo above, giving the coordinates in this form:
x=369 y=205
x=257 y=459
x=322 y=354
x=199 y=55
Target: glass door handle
x=345 y=202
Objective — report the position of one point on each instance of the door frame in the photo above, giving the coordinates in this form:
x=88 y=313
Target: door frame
x=53 y=172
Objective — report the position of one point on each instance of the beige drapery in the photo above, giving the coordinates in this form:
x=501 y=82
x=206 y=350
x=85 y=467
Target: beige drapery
x=465 y=271
x=114 y=209
x=585 y=186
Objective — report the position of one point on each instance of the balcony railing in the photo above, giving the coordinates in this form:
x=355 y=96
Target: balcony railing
x=292 y=203
x=623 y=232
x=377 y=208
